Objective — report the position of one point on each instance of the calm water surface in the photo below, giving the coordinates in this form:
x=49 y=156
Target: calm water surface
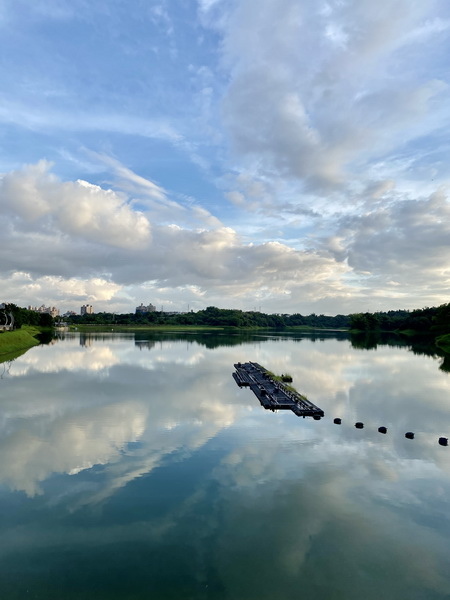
x=133 y=467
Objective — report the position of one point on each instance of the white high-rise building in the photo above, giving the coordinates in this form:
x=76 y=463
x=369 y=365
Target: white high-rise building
x=87 y=309
x=51 y=310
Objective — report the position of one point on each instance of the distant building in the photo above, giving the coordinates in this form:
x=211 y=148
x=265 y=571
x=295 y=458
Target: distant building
x=145 y=309
x=87 y=309
x=51 y=310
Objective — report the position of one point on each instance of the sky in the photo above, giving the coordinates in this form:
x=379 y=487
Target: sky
x=288 y=156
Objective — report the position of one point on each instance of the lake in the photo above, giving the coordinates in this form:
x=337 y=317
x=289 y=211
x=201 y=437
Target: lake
x=133 y=467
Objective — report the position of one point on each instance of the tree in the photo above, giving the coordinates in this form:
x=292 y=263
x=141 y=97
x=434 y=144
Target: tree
x=364 y=321
x=441 y=320
x=45 y=320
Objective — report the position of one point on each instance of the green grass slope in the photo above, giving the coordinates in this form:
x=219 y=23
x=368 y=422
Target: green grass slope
x=12 y=342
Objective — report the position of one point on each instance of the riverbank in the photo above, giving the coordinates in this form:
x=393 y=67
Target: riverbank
x=14 y=342
x=118 y=328
x=85 y=327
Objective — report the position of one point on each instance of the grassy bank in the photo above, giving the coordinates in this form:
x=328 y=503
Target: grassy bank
x=119 y=328
x=13 y=342
x=443 y=342
x=200 y=328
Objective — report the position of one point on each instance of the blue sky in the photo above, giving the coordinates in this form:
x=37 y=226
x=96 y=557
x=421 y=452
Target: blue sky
x=290 y=155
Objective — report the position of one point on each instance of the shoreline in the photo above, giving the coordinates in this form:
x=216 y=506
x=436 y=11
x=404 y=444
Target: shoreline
x=18 y=341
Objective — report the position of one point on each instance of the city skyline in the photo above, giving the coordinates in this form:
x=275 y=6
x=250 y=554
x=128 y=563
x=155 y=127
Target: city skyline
x=201 y=153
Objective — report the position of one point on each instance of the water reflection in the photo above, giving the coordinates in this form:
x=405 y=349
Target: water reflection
x=134 y=467
x=100 y=399
x=419 y=344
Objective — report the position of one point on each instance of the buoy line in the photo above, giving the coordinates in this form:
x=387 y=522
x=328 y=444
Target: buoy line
x=410 y=435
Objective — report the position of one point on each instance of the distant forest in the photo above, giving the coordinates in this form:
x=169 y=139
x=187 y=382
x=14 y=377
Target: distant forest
x=421 y=320
x=425 y=320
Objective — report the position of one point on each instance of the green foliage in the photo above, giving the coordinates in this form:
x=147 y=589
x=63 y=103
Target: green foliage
x=13 y=341
x=364 y=322
x=23 y=316
x=216 y=317
x=443 y=342
x=423 y=320
x=45 y=320
x=441 y=319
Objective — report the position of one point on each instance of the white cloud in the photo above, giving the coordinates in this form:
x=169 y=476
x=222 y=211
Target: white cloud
x=406 y=241
x=72 y=242
x=22 y=115
x=76 y=240
x=311 y=119
x=72 y=433
x=206 y=5
x=76 y=208
x=314 y=91
x=22 y=288
x=132 y=181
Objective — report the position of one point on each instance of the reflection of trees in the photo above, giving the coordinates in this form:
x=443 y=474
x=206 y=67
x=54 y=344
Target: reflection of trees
x=365 y=340
x=88 y=338
x=210 y=340
x=213 y=339
x=362 y=340
x=46 y=337
x=6 y=365
x=419 y=344
x=141 y=344
x=425 y=346
x=445 y=365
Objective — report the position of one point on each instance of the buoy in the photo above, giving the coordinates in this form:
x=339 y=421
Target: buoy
x=337 y=420
x=359 y=425
x=382 y=429
x=409 y=435
x=443 y=441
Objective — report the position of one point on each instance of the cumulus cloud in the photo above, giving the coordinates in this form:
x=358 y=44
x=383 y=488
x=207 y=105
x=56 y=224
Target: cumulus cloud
x=399 y=246
x=316 y=88
x=24 y=288
x=75 y=208
x=218 y=262
x=77 y=240
x=74 y=242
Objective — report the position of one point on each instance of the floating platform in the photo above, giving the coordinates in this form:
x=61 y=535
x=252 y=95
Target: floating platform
x=273 y=395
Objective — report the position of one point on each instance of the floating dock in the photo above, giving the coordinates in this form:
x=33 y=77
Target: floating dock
x=272 y=394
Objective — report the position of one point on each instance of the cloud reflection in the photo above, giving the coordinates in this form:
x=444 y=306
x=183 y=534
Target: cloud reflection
x=160 y=448
x=91 y=404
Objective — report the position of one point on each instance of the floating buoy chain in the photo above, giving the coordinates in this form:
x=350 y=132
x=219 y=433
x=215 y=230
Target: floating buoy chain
x=443 y=441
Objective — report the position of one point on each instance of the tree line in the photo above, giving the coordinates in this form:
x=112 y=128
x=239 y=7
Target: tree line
x=434 y=319
x=212 y=316
x=423 y=320
x=23 y=316
x=430 y=319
